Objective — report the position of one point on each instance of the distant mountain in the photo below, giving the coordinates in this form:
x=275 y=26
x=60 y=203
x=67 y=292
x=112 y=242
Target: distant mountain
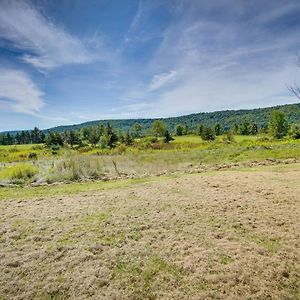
x=226 y=118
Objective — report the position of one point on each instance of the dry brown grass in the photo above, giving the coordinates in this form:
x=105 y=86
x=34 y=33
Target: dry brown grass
x=223 y=235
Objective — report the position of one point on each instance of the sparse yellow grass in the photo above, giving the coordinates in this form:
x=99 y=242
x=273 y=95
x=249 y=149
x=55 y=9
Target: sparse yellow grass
x=221 y=235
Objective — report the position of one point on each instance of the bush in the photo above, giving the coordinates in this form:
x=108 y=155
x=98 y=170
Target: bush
x=228 y=138
x=207 y=134
x=120 y=149
x=32 y=155
x=294 y=131
x=18 y=172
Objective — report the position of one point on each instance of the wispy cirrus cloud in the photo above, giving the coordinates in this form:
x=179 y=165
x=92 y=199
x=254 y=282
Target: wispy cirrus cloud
x=223 y=55
x=44 y=44
x=162 y=79
x=19 y=93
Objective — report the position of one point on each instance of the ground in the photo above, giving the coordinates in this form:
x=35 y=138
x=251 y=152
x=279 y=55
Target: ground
x=218 y=235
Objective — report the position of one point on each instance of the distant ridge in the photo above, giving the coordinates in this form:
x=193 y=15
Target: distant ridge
x=226 y=118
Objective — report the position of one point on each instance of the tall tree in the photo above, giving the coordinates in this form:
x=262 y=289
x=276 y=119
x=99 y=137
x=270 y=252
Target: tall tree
x=278 y=125
x=218 y=129
x=180 y=130
x=137 y=129
x=159 y=128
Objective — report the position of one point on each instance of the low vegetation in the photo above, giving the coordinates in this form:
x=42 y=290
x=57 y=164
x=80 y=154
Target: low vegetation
x=217 y=235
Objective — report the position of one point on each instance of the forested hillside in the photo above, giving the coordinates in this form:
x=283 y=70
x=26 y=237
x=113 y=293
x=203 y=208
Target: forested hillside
x=226 y=119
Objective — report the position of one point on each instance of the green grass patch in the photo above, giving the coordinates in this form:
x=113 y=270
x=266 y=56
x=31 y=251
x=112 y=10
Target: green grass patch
x=142 y=275
x=18 y=173
x=270 y=244
x=18 y=192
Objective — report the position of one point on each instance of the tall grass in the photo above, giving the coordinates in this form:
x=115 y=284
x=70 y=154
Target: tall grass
x=18 y=173
x=70 y=165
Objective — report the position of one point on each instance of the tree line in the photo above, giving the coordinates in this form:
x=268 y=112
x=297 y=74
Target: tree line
x=105 y=136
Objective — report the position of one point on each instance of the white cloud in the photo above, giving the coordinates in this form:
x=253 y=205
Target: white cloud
x=19 y=93
x=162 y=79
x=221 y=64
x=48 y=46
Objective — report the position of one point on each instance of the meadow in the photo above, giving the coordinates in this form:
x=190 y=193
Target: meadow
x=37 y=164
x=188 y=219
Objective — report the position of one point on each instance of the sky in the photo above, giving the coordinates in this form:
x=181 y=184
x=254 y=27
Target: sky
x=70 y=61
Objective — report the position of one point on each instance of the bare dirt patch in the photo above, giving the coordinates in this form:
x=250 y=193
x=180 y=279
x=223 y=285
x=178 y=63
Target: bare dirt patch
x=226 y=235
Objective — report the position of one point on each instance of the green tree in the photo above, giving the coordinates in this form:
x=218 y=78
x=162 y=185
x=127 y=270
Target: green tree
x=128 y=140
x=110 y=137
x=208 y=134
x=235 y=128
x=167 y=137
x=73 y=138
x=159 y=128
x=244 y=128
x=36 y=136
x=94 y=135
x=137 y=130
x=54 y=138
x=218 y=129
x=254 y=129
x=278 y=125
x=199 y=129
x=294 y=131
x=180 y=130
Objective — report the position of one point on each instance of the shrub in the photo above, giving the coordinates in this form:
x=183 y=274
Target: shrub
x=228 y=138
x=32 y=155
x=294 y=131
x=208 y=134
x=120 y=149
x=18 y=172
x=37 y=147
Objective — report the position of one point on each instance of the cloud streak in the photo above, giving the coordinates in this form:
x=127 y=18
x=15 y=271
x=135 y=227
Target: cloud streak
x=47 y=45
x=228 y=57
x=18 y=92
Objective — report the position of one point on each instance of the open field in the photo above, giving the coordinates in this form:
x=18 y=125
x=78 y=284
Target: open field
x=26 y=164
x=217 y=235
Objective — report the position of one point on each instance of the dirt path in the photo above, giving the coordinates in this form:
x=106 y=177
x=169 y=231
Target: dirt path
x=228 y=235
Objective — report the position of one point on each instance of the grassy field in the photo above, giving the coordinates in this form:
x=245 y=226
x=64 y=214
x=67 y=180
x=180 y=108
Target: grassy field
x=185 y=220
x=217 y=235
x=25 y=164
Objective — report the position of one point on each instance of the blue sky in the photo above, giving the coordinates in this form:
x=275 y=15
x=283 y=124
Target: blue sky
x=70 y=61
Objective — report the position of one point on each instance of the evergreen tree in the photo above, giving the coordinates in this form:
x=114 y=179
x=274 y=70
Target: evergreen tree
x=200 y=129
x=128 y=140
x=36 y=136
x=208 y=134
x=111 y=137
x=167 y=137
x=54 y=138
x=218 y=129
